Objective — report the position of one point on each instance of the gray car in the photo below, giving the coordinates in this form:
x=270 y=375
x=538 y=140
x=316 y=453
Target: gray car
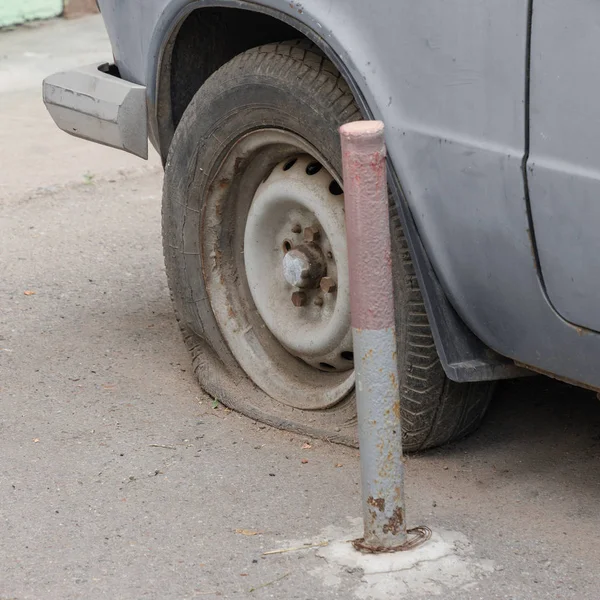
x=493 y=137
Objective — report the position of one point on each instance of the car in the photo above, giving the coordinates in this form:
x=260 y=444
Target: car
x=493 y=144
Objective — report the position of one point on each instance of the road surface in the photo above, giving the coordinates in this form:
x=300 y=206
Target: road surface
x=120 y=480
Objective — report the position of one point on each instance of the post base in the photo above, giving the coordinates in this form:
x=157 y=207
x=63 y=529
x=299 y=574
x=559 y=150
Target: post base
x=415 y=537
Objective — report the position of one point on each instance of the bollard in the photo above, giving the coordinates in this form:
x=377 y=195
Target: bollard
x=374 y=336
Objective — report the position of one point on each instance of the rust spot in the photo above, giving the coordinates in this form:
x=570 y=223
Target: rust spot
x=532 y=246
x=582 y=384
x=395 y=522
x=388 y=464
x=393 y=381
x=396 y=409
x=378 y=503
x=223 y=183
x=230 y=312
x=238 y=164
x=398 y=493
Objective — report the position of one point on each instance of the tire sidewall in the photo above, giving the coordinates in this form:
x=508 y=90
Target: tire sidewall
x=250 y=98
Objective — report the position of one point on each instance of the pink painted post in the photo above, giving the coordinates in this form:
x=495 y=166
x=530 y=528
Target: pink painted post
x=374 y=336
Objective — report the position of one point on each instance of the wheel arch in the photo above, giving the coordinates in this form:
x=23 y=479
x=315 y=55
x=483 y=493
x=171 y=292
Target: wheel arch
x=213 y=32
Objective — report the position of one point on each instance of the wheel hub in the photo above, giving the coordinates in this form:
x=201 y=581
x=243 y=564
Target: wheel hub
x=304 y=266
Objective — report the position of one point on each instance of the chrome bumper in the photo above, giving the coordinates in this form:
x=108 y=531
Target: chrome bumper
x=92 y=104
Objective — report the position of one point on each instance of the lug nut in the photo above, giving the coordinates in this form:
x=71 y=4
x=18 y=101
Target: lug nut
x=318 y=301
x=328 y=285
x=296 y=229
x=298 y=299
x=311 y=234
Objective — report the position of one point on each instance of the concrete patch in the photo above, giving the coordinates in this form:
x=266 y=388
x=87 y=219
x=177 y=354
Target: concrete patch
x=445 y=562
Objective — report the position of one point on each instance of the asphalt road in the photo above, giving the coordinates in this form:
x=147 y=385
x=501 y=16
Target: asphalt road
x=120 y=480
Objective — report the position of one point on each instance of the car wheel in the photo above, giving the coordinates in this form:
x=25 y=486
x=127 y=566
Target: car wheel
x=255 y=252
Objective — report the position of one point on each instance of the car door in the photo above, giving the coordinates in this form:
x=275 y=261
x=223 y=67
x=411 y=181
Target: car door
x=563 y=168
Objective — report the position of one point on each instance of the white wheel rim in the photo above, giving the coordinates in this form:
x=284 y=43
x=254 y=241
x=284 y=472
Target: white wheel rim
x=269 y=357
x=291 y=199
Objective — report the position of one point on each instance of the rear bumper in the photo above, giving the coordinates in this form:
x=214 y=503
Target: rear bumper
x=93 y=104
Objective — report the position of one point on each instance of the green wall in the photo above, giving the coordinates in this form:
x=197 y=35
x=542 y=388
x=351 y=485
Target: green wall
x=18 y=11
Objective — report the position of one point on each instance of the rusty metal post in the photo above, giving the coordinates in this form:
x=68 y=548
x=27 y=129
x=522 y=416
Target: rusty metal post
x=374 y=335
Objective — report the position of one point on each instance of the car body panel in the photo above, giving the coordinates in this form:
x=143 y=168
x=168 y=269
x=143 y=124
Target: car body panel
x=564 y=159
x=450 y=82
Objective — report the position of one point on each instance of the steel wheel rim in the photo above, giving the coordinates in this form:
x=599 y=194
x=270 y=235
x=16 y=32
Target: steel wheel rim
x=312 y=374
x=295 y=258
